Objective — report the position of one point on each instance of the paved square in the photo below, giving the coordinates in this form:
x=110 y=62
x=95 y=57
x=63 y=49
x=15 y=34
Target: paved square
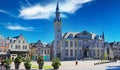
x=82 y=65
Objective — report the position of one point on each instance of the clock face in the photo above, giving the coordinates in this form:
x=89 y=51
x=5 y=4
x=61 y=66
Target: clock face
x=58 y=30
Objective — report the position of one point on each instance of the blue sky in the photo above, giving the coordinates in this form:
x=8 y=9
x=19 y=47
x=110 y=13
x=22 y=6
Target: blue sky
x=34 y=18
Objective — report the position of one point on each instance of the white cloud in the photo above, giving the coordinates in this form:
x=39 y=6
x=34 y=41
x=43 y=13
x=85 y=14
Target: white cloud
x=6 y=12
x=18 y=27
x=47 y=11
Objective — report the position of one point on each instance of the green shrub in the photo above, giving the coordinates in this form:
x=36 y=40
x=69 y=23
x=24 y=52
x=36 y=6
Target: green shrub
x=56 y=63
x=17 y=62
x=40 y=62
x=23 y=59
x=27 y=63
x=7 y=63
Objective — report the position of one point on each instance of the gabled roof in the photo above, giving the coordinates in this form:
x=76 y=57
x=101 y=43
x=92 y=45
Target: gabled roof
x=16 y=37
x=68 y=33
x=118 y=43
x=76 y=34
x=111 y=44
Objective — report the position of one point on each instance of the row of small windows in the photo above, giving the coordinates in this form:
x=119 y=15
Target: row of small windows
x=81 y=44
x=2 y=50
x=71 y=52
x=19 y=41
x=80 y=52
x=81 y=36
x=2 y=44
x=45 y=51
x=18 y=47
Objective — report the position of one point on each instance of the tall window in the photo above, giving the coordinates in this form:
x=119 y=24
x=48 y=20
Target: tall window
x=98 y=53
x=79 y=44
x=80 y=52
x=11 y=46
x=75 y=52
x=94 y=52
x=71 y=52
x=23 y=41
x=42 y=51
x=66 y=52
x=45 y=51
x=107 y=50
x=66 y=43
x=57 y=36
x=19 y=41
x=0 y=50
x=75 y=43
x=71 y=44
x=48 y=51
x=25 y=47
x=18 y=46
x=15 y=46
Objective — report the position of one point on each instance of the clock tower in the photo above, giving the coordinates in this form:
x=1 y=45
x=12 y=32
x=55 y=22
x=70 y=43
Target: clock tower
x=57 y=33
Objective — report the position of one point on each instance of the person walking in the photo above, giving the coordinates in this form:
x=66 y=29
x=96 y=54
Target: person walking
x=76 y=62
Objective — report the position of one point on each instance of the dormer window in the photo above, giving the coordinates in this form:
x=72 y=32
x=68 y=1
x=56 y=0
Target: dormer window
x=70 y=36
x=11 y=40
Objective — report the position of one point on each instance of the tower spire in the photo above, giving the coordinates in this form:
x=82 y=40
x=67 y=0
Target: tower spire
x=57 y=12
x=103 y=35
x=57 y=8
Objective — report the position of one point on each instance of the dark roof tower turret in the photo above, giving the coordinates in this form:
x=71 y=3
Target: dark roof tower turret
x=57 y=13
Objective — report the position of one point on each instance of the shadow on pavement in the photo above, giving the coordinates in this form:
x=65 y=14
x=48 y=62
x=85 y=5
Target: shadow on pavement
x=113 y=68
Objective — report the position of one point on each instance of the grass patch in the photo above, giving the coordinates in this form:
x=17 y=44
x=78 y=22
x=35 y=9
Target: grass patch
x=44 y=67
x=48 y=67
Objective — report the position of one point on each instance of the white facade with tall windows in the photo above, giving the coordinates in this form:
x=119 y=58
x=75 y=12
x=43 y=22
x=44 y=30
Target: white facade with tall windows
x=18 y=46
x=81 y=45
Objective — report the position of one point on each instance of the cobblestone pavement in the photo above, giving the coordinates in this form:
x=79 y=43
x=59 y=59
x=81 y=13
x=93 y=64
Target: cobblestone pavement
x=82 y=65
x=89 y=65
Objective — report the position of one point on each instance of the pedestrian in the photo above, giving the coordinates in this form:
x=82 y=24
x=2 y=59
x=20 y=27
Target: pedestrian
x=76 y=62
x=2 y=62
x=12 y=58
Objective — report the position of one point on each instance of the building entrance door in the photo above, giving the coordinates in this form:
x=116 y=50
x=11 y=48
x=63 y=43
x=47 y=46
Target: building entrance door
x=85 y=53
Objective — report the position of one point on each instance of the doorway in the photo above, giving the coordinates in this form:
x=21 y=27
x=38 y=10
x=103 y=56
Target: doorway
x=85 y=53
